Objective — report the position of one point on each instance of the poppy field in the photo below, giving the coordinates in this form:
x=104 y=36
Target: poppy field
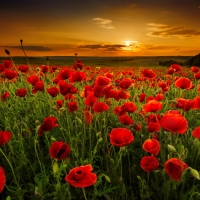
x=113 y=133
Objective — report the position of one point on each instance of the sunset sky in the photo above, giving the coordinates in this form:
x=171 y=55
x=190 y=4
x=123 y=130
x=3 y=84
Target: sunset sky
x=100 y=27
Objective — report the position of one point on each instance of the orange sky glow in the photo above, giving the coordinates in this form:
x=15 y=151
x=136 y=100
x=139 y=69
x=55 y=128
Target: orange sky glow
x=100 y=28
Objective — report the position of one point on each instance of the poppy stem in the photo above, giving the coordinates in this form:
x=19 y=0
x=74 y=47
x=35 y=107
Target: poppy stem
x=24 y=53
x=11 y=167
x=84 y=194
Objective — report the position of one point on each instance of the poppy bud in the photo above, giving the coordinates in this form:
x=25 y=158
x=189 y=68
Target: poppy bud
x=8 y=198
x=62 y=110
x=79 y=120
x=98 y=134
x=37 y=193
x=55 y=167
x=7 y=52
x=195 y=173
x=53 y=139
x=174 y=101
x=47 y=58
x=171 y=148
x=100 y=140
x=112 y=161
x=37 y=122
x=37 y=128
x=55 y=108
x=21 y=41
x=107 y=178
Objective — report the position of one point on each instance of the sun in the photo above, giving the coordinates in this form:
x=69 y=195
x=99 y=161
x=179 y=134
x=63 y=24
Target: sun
x=127 y=43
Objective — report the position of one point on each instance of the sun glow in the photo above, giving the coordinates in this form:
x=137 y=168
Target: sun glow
x=127 y=43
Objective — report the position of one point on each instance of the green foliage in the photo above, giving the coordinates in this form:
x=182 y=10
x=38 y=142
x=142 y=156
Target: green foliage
x=120 y=176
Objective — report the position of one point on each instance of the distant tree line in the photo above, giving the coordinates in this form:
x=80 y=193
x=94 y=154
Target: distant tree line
x=194 y=61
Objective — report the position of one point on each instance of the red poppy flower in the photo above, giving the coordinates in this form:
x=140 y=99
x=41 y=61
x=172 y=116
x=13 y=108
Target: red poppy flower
x=7 y=63
x=129 y=107
x=153 y=127
x=69 y=96
x=2 y=67
x=78 y=65
x=153 y=118
x=196 y=104
x=121 y=137
x=66 y=88
x=119 y=110
x=53 y=91
x=21 y=92
x=149 y=163
x=159 y=97
x=48 y=124
x=162 y=84
x=23 y=68
x=183 y=83
x=10 y=74
x=81 y=177
x=106 y=91
x=72 y=106
x=151 y=146
x=32 y=79
x=171 y=71
x=148 y=73
x=59 y=150
x=90 y=99
x=109 y=75
x=176 y=67
x=87 y=90
x=194 y=69
x=125 y=83
x=174 y=122
x=196 y=132
x=39 y=86
x=98 y=90
x=2 y=179
x=197 y=75
x=185 y=104
x=77 y=76
x=64 y=74
x=174 y=168
x=88 y=117
x=4 y=137
x=5 y=95
x=44 y=69
x=142 y=97
x=122 y=94
x=152 y=106
x=149 y=98
x=137 y=126
x=59 y=103
x=102 y=80
x=100 y=107
x=125 y=119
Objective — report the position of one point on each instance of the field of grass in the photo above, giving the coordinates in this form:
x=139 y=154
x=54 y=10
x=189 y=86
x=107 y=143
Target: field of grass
x=71 y=131
x=151 y=61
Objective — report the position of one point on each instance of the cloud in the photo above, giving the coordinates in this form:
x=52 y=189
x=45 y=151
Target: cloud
x=104 y=23
x=105 y=47
x=31 y=48
x=158 y=47
x=165 y=31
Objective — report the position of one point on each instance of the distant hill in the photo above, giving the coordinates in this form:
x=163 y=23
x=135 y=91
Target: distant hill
x=194 y=61
x=169 y=62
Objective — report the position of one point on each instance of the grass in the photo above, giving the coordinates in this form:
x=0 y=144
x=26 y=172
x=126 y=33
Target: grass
x=32 y=173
